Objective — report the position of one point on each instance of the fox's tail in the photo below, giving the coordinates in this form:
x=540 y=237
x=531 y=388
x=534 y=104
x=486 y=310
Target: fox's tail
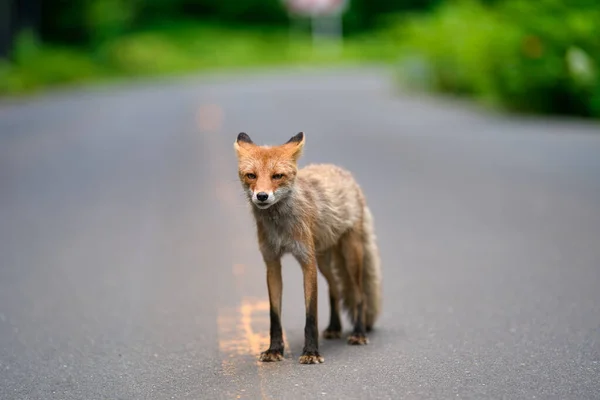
x=371 y=270
x=371 y=275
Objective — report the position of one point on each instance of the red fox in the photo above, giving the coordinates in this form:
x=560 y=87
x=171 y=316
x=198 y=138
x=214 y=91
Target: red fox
x=318 y=214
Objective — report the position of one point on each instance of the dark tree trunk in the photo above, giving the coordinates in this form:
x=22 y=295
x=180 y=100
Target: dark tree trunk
x=6 y=30
x=16 y=16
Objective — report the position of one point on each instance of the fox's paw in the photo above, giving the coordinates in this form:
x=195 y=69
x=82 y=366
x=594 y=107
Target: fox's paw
x=312 y=357
x=332 y=334
x=357 y=339
x=271 y=355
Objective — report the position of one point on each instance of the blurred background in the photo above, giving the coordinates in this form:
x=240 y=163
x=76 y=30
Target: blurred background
x=129 y=267
x=533 y=56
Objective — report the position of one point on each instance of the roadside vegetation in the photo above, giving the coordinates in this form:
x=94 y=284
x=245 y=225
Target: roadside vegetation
x=540 y=57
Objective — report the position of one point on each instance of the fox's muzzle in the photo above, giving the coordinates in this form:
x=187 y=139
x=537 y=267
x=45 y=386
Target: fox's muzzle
x=263 y=200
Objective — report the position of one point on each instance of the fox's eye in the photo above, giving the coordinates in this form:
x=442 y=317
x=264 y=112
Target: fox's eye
x=277 y=176
x=250 y=176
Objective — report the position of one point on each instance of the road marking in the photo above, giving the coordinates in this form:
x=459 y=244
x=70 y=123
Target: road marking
x=243 y=335
x=236 y=334
x=243 y=331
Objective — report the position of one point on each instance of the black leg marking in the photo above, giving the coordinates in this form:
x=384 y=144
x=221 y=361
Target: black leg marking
x=274 y=285
x=275 y=351
x=311 y=344
x=310 y=353
x=359 y=335
x=334 y=330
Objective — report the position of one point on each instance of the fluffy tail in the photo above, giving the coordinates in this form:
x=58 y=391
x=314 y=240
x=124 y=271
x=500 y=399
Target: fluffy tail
x=371 y=275
x=371 y=270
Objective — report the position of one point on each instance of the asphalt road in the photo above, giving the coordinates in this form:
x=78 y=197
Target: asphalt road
x=129 y=268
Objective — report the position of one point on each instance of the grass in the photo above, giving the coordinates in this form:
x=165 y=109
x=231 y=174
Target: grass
x=180 y=48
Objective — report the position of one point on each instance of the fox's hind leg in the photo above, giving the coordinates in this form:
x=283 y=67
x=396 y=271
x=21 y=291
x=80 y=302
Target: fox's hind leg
x=334 y=330
x=352 y=251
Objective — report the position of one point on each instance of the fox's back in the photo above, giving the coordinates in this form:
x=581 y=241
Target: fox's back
x=336 y=198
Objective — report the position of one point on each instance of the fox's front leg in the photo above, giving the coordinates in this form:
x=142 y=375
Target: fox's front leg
x=275 y=287
x=310 y=353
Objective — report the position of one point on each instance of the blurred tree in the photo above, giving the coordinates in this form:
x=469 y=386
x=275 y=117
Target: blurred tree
x=84 y=21
x=5 y=28
x=17 y=16
x=367 y=14
x=27 y=15
x=64 y=21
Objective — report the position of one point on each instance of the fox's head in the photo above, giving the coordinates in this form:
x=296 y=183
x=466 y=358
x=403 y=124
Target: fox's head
x=267 y=173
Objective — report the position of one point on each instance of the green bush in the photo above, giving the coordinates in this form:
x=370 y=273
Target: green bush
x=173 y=49
x=107 y=19
x=83 y=22
x=540 y=56
x=36 y=65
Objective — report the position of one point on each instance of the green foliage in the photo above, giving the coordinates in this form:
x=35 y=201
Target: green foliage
x=106 y=19
x=36 y=65
x=88 y=21
x=171 y=49
x=371 y=14
x=538 y=56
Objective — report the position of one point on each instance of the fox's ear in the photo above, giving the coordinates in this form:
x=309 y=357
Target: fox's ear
x=296 y=144
x=297 y=138
x=242 y=142
x=243 y=137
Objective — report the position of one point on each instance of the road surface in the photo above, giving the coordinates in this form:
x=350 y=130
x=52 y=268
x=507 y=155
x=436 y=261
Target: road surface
x=129 y=267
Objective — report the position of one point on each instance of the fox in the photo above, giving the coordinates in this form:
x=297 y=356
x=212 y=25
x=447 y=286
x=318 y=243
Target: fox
x=319 y=215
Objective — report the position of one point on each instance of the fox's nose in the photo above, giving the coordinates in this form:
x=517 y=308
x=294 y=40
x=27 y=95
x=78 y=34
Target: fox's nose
x=262 y=196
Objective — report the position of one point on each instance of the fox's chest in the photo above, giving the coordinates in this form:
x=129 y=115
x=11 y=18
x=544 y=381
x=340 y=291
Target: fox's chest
x=279 y=237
